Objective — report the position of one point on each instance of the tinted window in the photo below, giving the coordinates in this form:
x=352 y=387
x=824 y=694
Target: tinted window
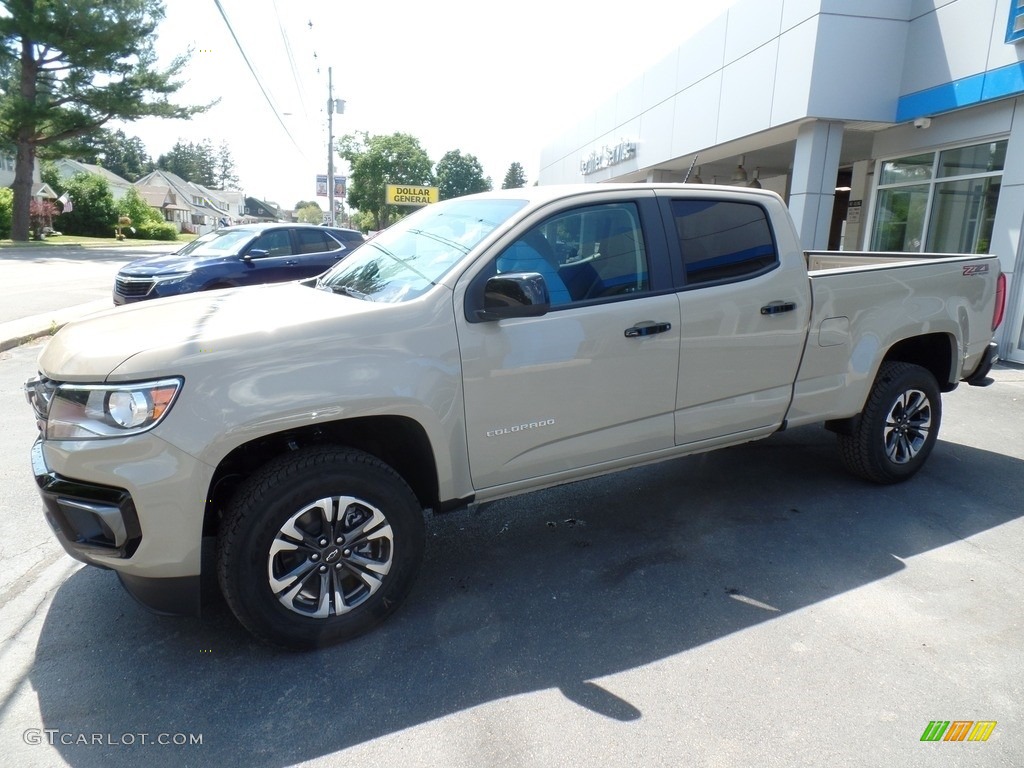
x=315 y=241
x=275 y=242
x=722 y=240
x=586 y=253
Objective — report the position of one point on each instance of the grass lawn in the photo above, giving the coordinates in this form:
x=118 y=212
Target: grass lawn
x=103 y=242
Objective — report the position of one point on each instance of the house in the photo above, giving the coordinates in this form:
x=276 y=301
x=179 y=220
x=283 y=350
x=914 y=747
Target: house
x=166 y=201
x=259 y=210
x=40 y=190
x=205 y=208
x=118 y=185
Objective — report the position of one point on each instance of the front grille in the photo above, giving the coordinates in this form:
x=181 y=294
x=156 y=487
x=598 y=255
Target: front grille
x=133 y=287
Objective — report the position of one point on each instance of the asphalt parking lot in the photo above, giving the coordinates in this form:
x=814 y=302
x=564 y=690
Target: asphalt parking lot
x=752 y=606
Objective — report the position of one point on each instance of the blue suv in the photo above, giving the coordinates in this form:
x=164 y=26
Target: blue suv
x=248 y=254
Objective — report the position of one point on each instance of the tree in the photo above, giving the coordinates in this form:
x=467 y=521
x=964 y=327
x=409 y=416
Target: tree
x=123 y=155
x=376 y=161
x=514 y=177
x=193 y=162
x=310 y=213
x=224 y=168
x=93 y=211
x=69 y=67
x=459 y=175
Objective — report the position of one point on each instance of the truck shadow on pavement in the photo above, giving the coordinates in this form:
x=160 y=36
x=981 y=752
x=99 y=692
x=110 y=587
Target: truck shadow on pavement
x=552 y=590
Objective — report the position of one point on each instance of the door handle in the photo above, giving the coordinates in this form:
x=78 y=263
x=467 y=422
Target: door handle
x=777 y=307
x=647 y=328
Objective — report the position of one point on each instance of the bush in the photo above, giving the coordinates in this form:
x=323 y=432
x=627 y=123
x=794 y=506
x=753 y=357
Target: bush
x=156 y=230
x=6 y=210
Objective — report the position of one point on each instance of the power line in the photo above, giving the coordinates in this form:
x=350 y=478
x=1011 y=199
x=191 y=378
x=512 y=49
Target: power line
x=257 y=78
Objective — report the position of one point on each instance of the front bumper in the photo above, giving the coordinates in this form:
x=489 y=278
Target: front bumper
x=147 y=532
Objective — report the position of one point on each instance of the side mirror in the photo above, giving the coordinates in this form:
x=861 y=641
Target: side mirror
x=255 y=253
x=517 y=294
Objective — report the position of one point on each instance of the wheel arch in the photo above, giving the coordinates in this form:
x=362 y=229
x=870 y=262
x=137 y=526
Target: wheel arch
x=398 y=441
x=935 y=352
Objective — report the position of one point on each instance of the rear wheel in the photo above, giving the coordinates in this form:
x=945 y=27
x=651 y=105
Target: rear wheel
x=319 y=546
x=898 y=427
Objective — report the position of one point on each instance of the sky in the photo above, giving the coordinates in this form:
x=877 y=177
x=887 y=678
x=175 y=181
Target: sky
x=498 y=81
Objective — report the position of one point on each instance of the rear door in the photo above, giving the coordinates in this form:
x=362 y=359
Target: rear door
x=744 y=310
x=592 y=381
x=316 y=251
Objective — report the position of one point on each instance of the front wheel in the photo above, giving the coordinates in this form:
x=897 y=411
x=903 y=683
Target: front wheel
x=898 y=427
x=319 y=546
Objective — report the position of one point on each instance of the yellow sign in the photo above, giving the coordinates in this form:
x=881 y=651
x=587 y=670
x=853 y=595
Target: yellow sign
x=404 y=194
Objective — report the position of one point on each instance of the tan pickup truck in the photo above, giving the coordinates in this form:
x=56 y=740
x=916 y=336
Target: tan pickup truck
x=481 y=347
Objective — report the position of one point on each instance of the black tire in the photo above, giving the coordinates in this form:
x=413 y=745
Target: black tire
x=898 y=427
x=319 y=546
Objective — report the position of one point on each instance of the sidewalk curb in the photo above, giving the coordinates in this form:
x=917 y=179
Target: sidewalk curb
x=14 y=333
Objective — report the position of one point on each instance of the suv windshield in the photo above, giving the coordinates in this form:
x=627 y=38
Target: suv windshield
x=218 y=243
x=409 y=257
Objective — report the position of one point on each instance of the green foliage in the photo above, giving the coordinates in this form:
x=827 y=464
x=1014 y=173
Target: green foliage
x=144 y=218
x=310 y=214
x=459 y=175
x=49 y=174
x=515 y=178
x=71 y=66
x=200 y=163
x=376 y=161
x=93 y=212
x=6 y=209
x=155 y=230
x=123 y=155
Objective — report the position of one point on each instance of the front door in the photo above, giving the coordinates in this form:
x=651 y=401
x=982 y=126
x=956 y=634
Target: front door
x=579 y=386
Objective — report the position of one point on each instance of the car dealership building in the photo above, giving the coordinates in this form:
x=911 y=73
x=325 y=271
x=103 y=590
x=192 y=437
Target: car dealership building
x=886 y=125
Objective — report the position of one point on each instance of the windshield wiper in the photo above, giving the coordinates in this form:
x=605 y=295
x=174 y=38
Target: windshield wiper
x=348 y=291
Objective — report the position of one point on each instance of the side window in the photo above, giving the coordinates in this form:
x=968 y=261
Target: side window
x=315 y=241
x=584 y=254
x=275 y=243
x=722 y=240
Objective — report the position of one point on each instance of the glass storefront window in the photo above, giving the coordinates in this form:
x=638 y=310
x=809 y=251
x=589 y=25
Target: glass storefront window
x=899 y=219
x=962 y=216
x=908 y=169
x=965 y=161
x=939 y=202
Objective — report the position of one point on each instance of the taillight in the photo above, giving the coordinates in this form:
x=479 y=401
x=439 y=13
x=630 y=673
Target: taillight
x=997 y=314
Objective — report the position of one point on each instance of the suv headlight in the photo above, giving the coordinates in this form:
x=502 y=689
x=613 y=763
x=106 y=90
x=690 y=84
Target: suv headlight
x=87 y=412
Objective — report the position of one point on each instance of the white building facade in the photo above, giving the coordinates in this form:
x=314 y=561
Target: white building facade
x=886 y=125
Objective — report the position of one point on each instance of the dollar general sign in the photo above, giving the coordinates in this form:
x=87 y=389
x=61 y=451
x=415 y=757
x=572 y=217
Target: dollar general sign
x=405 y=194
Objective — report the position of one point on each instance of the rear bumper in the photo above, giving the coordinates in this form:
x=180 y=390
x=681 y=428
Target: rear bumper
x=980 y=377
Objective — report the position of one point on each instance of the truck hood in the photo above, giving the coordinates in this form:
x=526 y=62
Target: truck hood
x=164 y=334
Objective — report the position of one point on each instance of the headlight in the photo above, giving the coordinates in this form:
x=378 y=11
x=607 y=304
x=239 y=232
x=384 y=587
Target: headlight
x=171 y=278
x=86 y=412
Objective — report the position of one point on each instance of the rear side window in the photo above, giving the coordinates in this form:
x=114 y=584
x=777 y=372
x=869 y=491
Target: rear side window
x=315 y=241
x=723 y=240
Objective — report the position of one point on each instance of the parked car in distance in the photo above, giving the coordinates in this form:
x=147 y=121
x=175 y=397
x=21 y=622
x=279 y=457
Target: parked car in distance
x=247 y=254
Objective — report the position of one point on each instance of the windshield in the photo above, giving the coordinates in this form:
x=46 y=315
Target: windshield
x=221 y=242
x=406 y=259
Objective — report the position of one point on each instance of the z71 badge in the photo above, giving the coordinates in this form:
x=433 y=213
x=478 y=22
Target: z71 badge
x=975 y=269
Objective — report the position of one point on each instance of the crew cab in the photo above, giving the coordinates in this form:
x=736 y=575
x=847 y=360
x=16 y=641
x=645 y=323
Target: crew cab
x=481 y=347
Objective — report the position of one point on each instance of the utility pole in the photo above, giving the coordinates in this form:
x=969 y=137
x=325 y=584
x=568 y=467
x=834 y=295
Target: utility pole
x=330 y=147
x=332 y=104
